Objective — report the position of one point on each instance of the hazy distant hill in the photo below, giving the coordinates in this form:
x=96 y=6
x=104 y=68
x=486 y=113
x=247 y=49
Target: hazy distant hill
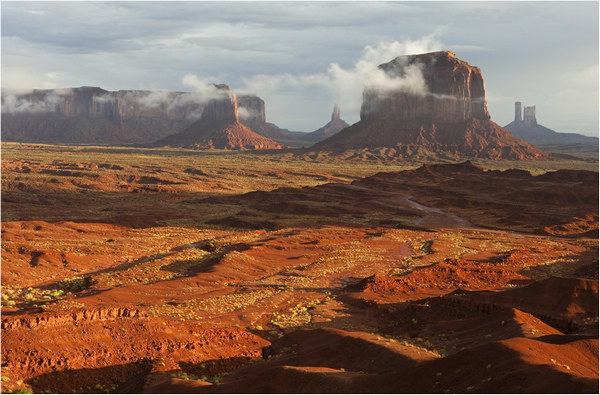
x=91 y=115
x=528 y=129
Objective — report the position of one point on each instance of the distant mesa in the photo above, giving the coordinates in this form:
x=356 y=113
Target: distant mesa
x=91 y=115
x=525 y=127
x=332 y=127
x=251 y=112
x=220 y=128
x=431 y=104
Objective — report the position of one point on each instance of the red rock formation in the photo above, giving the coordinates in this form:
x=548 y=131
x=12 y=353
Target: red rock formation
x=441 y=109
x=252 y=114
x=50 y=319
x=220 y=128
x=455 y=91
x=332 y=127
x=94 y=115
x=528 y=129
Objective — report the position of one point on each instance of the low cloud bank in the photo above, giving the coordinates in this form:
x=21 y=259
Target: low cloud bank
x=347 y=84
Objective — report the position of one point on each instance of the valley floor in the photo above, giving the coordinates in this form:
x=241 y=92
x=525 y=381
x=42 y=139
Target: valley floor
x=170 y=271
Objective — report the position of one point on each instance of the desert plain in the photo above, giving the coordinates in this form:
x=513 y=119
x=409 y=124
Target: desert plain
x=160 y=270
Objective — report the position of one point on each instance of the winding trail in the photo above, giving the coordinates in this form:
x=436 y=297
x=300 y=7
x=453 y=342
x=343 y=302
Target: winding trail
x=435 y=217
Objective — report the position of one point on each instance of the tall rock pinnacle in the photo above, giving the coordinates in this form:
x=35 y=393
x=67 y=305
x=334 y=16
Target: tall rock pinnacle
x=529 y=115
x=518 y=116
x=528 y=129
x=336 y=113
x=331 y=128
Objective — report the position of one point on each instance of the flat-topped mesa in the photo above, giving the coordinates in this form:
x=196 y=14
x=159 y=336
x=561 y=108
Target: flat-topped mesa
x=222 y=108
x=429 y=105
x=251 y=108
x=435 y=86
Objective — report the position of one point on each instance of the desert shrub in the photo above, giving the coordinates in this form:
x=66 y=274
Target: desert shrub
x=23 y=390
x=180 y=374
x=74 y=284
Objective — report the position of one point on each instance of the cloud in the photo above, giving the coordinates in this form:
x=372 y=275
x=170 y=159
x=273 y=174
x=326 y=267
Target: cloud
x=18 y=103
x=205 y=88
x=244 y=113
x=151 y=45
x=345 y=85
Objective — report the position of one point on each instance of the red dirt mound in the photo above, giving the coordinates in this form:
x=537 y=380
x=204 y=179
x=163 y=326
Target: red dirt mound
x=435 y=196
x=220 y=135
x=516 y=365
x=566 y=303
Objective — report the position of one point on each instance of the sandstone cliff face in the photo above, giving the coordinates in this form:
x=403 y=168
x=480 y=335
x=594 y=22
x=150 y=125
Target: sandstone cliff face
x=439 y=109
x=220 y=128
x=453 y=91
x=94 y=115
x=223 y=108
x=251 y=108
x=252 y=113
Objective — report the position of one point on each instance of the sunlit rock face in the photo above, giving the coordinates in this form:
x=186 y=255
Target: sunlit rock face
x=429 y=106
x=435 y=86
x=220 y=128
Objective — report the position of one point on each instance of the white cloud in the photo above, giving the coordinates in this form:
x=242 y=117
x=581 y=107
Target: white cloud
x=151 y=45
x=345 y=85
x=16 y=104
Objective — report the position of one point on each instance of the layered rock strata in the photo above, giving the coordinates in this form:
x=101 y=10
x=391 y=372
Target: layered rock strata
x=220 y=128
x=251 y=111
x=88 y=115
x=447 y=90
x=430 y=104
x=92 y=115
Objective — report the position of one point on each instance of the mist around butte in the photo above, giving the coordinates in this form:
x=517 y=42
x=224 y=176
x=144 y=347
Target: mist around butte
x=302 y=58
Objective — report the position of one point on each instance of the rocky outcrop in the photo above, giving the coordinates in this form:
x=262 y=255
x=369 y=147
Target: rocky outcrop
x=430 y=105
x=223 y=108
x=447 y=90
x=49 y=319
x=332 y=127
x=526 y=128
x=220 y=128
x=251 y=110
x=94 y=115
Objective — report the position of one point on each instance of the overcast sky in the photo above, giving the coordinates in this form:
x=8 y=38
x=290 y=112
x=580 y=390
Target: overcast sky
x=302 y=57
